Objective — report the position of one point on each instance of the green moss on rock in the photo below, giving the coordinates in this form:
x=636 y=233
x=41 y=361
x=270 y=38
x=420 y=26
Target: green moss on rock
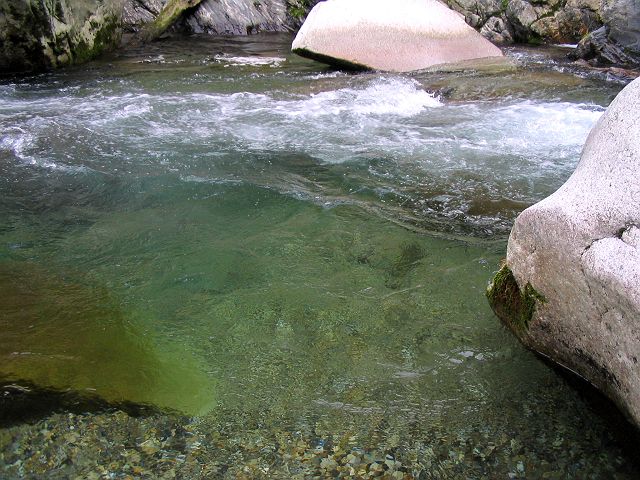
x=172 y=11
x=512 y=305
x=45 y=34
x=298 y=9
x=106 y=37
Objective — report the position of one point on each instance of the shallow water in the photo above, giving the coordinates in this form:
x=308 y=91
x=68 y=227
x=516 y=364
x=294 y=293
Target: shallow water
x=217 y=228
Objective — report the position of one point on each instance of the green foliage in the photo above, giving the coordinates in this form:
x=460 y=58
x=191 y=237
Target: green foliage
x=514 y=306
x=298 y=8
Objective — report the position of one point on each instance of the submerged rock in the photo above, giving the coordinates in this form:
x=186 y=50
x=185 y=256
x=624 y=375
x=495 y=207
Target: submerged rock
x=375 y=34
x=39 y=34
x=571 y=287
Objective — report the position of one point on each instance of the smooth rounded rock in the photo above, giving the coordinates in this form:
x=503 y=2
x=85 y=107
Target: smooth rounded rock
x=399 y=36
x=574 y=291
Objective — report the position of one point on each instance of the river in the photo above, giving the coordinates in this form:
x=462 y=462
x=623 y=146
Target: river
x=284 y=266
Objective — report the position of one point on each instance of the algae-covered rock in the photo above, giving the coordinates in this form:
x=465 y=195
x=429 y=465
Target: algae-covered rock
x=400 y=36
x=41 y=34
x=579 y=249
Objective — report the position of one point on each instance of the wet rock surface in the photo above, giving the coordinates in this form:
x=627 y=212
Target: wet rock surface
x=222 y=17
x=238 y=17
x=618 y=41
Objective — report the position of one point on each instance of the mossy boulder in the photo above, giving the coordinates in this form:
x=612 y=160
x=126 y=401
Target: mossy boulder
x=37 y=35
x=580 y=248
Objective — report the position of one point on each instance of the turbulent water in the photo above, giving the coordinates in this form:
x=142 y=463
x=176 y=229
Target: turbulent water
x=219 y=229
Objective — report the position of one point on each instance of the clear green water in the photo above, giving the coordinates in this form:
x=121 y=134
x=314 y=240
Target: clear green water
x=216 y=228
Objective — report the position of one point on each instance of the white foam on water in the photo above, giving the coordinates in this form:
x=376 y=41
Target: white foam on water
x=20 y=146
x=253 y=61
x=361 y=118
x=540 y=131
x=394 y=96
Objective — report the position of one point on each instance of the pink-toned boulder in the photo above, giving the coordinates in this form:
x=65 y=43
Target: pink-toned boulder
x=398 y=36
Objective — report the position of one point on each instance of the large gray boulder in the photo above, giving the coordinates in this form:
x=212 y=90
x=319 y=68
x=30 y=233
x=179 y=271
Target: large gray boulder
x=400 y=36
x=42 y=34
x=570 y=288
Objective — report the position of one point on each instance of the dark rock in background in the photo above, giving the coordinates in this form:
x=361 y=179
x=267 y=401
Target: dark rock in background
x=42 y=34
x=507 y=21
x=224 y=17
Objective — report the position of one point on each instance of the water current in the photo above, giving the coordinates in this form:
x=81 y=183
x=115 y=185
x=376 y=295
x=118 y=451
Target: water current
x=280 y=256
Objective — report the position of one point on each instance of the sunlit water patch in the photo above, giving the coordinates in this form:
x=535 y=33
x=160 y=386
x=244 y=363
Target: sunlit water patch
x=294 y=257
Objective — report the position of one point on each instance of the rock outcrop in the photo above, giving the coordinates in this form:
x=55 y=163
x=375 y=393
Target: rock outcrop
x=570 y=288
x=221 y=17
x=401 y=36
x=608 y=30
x=42 y=34
x=170 y=13
x=618 y=41
x=239 y=17
x=534 y=21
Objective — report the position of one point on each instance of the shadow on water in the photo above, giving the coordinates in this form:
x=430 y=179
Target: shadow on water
x=24 y=402
x=624 y=434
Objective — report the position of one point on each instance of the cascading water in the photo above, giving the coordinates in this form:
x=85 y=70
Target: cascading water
x=290 y=254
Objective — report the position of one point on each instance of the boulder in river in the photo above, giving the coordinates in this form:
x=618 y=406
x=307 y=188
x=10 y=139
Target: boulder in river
x=399 y=36
x=570 y=288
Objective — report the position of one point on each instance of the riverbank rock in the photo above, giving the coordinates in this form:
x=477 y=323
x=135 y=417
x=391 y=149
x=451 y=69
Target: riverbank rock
x=42 y=34
x=238 y=17
x=221 y=17
x=375 y=34
x=535 y=21
x=618 y=41
x=570 y=288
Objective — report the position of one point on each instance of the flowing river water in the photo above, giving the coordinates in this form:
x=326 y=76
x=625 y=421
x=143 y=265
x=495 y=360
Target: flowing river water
x=285 y=265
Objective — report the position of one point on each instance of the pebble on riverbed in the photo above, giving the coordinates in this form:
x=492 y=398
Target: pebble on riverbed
x=114 y=445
